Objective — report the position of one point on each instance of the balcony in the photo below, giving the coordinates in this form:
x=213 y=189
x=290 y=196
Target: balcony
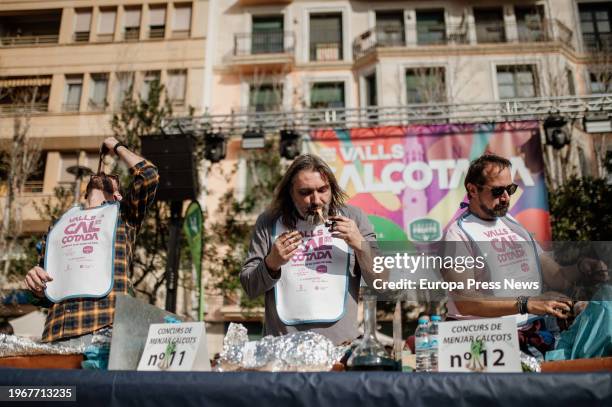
x=25 y=40
x=263 y=50
x=40 y=27
x=548 y=30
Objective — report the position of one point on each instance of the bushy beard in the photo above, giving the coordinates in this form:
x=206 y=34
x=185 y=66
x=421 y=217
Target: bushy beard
x=498 y=211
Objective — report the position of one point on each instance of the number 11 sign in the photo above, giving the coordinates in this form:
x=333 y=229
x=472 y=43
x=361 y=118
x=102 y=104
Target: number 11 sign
x=481 y=345
x=175 y=347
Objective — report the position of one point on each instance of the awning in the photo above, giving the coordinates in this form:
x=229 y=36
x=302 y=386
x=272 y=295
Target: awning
x=17 y=82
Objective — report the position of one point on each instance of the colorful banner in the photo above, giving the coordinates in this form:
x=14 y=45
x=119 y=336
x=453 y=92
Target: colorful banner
x=409 y=180
x=192 y=227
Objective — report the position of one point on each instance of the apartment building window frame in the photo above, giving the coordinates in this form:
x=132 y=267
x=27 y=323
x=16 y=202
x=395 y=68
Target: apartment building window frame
x=157 y=28
x=183 y=31
x=272 y=87
x=347 y=51
x=595 y=43
x=498 y=26
x=107 y=22
x=386 y=34
x=270 y=40
x=534 y=30
x=443 y=29
x=79 y=32
x=98 y=92
x=403 y=73
x=536 y=69
x=177 y=97
x=132 y=22
x=148 y=77
x=73 y=92
x=124 y=80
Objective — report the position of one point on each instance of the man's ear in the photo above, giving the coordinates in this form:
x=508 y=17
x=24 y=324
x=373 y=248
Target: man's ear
x=472 y=189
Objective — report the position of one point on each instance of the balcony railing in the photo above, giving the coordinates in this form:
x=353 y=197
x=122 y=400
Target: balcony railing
x=268 y=42
x=131 y=34
x=157 y=32
x=24 y=108
x=547 y=30
x=33 y=187
x=601 y=42
x=82 y=36
x=21 y=40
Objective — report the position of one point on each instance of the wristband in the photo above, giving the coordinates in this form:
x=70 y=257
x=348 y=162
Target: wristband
x=119 y=144
x=521 y=303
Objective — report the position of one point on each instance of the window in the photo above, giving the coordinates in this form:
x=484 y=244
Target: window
x=157 y=22
x=371 y=97
x=601 y=80
x=82 y=25
x=431 y=28
x=177 y=81
x=97 y=92
x=182 y=21
x=106 y=25
x=517 y=81
x=489 y=25
x=595 y=25
x=74 y=87
x=390 y=28
x=265 y=98
x=327 y=95
x=326 y=37
x=425 y=85
x=530 y=23
x=149 y=78
x=267 y=35
x=571 y=87
x=123 y=86
x=131 y=24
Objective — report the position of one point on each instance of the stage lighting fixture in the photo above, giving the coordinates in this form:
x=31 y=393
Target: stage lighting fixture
x=215 y=147
x=557 y=132
x=290 y=144
x=252 y=139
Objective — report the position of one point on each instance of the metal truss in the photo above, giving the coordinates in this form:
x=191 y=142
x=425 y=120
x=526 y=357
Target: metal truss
x=308 y=121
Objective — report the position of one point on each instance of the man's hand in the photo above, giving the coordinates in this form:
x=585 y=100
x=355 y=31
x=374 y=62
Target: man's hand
x=283 y=249
x=593 y=271
x=36 y=280
x=551 y=303
x=347 y=230
x=110 y=143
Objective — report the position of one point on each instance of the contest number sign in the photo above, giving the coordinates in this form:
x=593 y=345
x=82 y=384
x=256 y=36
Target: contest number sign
x=175 y=347
x=481 y=345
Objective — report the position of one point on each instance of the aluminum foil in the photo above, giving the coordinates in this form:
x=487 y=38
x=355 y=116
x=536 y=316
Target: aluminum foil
x=11 y=345
x=529 y=363
x=298 y=352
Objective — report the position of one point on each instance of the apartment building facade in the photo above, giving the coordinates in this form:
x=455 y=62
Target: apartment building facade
x=81 y=57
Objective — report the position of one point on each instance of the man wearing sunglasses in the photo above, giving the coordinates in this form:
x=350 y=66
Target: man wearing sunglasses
x=76 y=318
x=510 y=253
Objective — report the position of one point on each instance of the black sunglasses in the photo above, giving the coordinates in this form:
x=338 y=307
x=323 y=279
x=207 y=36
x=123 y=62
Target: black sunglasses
x=499 y=191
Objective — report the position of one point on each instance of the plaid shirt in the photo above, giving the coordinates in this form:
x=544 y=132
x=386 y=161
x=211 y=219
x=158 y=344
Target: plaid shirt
x=81 y=316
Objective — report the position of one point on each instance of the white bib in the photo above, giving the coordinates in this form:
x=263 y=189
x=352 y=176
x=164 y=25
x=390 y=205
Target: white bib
x=314 y=284
x=80 y=253
x=505 y=259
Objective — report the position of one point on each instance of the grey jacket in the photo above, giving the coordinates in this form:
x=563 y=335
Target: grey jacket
x=256 y=280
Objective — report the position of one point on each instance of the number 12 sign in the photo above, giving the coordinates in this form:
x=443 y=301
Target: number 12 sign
x=481 y=345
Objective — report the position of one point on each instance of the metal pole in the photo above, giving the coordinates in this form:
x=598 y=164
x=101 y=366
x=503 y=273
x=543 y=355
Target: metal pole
x=172 y=261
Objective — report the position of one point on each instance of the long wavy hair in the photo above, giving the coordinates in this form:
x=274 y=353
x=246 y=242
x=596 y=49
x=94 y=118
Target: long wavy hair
x=282 y=205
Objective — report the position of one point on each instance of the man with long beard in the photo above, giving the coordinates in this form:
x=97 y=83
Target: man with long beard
x=308 y=253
